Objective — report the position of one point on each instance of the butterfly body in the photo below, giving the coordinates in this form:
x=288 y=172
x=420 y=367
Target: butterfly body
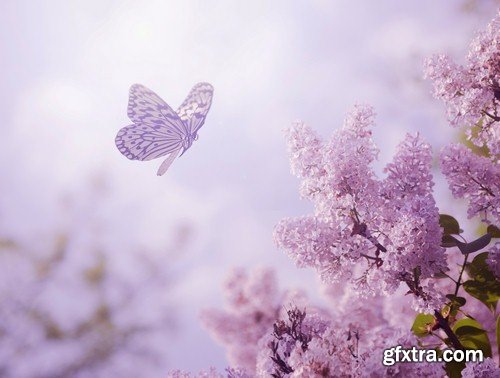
x=157 y=130
x=187 y=142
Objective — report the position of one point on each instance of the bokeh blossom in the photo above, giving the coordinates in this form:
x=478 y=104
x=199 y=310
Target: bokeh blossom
x=300 y=339
x=253 y=303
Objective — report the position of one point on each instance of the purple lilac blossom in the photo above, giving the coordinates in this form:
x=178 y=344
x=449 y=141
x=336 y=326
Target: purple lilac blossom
x=472 y=92
x=474 y=178
x=361 y=225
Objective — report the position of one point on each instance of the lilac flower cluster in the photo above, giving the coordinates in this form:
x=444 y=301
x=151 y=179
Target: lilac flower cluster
x=475 y=178
x=375 y=233
x=302 y=340
x=472 y=95
x=472 y=92
x=486 y=369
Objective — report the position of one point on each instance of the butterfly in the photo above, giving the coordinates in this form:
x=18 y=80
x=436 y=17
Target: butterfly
x=157 y=130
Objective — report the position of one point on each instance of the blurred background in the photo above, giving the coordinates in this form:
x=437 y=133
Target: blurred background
x=104 y=266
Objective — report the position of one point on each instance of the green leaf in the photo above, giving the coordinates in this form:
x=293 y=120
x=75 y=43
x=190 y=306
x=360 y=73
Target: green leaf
x=483 y=284
x=456 y=301
x=478 y=269
x=449 y=241
x=422 y=325
x=450 y=225
x=450 y=310
x=487 y=292
x=472 y=336
x=494 y=231
x=475 y=245
x=454 y=369
x=469 y=330
x=466 y=322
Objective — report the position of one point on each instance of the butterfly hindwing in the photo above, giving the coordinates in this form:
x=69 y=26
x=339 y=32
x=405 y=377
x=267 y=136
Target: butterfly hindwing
x=195 y=107
x=168 y=161
x=145 y=142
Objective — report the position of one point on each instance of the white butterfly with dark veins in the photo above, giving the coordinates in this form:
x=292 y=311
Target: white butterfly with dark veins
x=157 y=130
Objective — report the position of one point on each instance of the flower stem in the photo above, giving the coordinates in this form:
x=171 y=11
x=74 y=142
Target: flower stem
x=459 y=281
x=445 y=326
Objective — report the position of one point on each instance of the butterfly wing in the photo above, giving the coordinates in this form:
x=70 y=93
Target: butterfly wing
x=195 y=107
x=168 y=161
x=144 y=142
x=156 y=131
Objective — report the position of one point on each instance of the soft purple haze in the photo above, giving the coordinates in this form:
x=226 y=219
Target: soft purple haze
x=66 y=70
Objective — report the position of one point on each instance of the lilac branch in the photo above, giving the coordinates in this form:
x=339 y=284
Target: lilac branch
x=445 y=326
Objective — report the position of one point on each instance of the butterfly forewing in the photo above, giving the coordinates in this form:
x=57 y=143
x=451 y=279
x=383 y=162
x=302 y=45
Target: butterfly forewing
x=195 y=107
x=145 y=106
x=156 y=131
